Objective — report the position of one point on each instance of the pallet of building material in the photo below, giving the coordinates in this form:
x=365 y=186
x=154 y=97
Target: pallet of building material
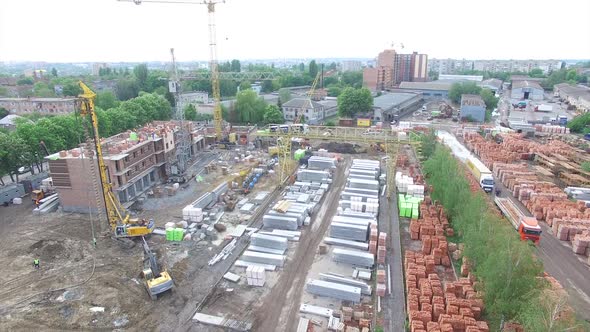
x=332 y=277
x=354 y=214
x=346 y=243
x=263 y=258
x=321 y=163
x=289 y=237
x=269 y=241
x=278 y=222
x=255 y=276
x=353 y=257
x=267 y=250
x=315 y=310
x=267 y=267
x=353 y=221
x=282 y=206
x=348 y=231
x=313 y=175
x=373 y=192
x=363 y=197
x=300 y=216
x=231 y=277
x=363 y=184
x=334 y=290
x=359 y=206
x=303 y=325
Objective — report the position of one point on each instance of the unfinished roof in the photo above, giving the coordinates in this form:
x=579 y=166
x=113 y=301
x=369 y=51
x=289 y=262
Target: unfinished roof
x=302 y=103
x=436 y=85
x=526 y=84
x=472 y=100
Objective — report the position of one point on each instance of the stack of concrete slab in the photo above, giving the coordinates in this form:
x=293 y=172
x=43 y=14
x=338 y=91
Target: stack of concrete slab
x=348 y=231
x=373 y=192
x=255 y=275
x=365 y=172
x=289 y=235
x=346 y=243
x=269 y=241
x=353 y=257
x=321 y=163
x=263 y=258
x=360 y=176
x=358 y=206
x=361 y=215
x=331 y=277
x=353 y=220
x=345 y=195
x=363 y=184
x=334 y=290
x=313 y=175
x=280 y=222
x=247 y=208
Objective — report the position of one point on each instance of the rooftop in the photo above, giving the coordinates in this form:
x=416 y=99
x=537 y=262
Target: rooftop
x=472 y=100
x=573 y=90
x=434 y=85
x=329 y=103
x=301 y=103
x=9 y=120
x=526 y=84
x=475 y=78
x=493 y=82
x=515 y=78
x=391 y=100
x=38 y=99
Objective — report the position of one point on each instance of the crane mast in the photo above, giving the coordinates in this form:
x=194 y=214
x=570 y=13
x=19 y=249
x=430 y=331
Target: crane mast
x=183 y=147
x=213 y=66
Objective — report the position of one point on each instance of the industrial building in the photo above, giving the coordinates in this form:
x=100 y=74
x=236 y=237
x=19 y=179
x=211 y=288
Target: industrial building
x=526 y=90
x=313 y=112
x=578 y=96
x=435 y=89
x=466 y=78
x=388 y=105
x=493 y=84
x=392 y=68
x=47 y=106
x=194 y=98
x=473 y=108
x=136 y=161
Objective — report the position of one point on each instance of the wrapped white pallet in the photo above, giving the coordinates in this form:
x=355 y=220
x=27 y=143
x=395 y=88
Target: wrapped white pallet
x=353 y=257
x=263 y=258
x=274 y=242
x=334 y=290
x=349 y=231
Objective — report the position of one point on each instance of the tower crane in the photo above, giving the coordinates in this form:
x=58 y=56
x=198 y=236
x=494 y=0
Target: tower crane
x=284 y=142
x=118 y=217
x=213 y=64
x=183 y=145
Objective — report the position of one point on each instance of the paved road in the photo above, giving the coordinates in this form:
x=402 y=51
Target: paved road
x=393 y=305
x=563 y=264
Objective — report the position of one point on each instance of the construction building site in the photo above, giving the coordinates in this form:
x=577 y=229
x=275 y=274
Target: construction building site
x=183 y=226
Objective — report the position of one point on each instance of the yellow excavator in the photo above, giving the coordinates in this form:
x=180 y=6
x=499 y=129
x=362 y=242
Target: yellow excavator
x=122 y=225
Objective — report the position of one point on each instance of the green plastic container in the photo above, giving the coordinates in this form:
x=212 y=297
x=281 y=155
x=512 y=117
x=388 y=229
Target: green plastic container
x=415 y=213
x=178 y=234
x=169 y=234
x=408 y=209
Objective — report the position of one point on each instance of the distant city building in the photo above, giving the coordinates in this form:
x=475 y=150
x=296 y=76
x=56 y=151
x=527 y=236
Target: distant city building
x=473 y=107
x=8 y=122
x=526 y=90
x=313 y=112
x=449 y=77
x=436 y=89
x=97 y=66
x=35 y=73
x=351 y=65
x=452 y=66
x=194 y=98
x=39 y=105
x=393 y=68
x=493 y=84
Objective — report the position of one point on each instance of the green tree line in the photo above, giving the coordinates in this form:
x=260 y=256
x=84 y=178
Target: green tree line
x=506 y=267
x=21 y=146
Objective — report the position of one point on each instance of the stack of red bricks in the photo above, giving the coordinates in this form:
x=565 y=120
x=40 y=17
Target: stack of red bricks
x=381 y=248
x=381 y=282
x=373 y=239
x=432 y=307
x=357 y=318
x=581 y=242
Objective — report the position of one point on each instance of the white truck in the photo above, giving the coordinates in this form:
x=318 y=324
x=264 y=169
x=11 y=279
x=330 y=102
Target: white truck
x=481 y=173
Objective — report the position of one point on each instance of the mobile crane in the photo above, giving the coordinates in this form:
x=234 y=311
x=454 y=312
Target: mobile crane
x=122 y=224
x=119 y=218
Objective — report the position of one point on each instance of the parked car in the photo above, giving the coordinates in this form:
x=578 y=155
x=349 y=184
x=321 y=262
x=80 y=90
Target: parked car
x=24 y=169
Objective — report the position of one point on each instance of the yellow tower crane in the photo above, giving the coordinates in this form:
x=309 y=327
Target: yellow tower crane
x=217 y=113
x=284 y=142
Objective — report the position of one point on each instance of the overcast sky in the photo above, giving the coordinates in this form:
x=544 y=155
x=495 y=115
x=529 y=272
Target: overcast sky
x=109 y=31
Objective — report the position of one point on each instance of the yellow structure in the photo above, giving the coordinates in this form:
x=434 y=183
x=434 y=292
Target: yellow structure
x=363 y=122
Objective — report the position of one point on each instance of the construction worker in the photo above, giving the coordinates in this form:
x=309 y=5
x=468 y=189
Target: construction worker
x=36 y=263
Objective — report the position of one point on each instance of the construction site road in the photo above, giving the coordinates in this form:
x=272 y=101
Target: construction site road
x=561 y=263
x=280 y=309
x=392 y=305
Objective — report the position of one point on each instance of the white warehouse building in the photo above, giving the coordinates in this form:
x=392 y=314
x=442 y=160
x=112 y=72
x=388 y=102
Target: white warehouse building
x=526 y=90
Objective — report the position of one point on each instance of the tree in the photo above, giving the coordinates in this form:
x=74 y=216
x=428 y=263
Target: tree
x=71 y=90
x=3 y=91
x=571 y=75
x=236 y=66
x=250 y=108
x=106 y=100
x=313 y=68
x=3 y=112
x=41 y=89
x=330 y=123
x=54 y=72
x=126 y=89
x=141 y=75
x=267 y=86
x=489 y=98
x=537 y=72
x=301 y=67
x=354 y=101
x=9 y=160
x=459 y=89
x=334 y=90
x=228 y=88
x=433 y=75
x=25 y=81
x=353 y=79
x=579 y=123
x=272 y=114
x=332 y=66
x=245 y=85
x=284 y=95
x=190 y=112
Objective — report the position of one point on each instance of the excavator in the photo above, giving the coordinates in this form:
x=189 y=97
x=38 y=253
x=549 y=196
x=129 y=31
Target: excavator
x=122 y=225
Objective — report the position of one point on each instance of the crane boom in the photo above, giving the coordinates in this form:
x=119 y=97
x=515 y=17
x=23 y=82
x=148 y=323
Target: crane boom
x=119 y=219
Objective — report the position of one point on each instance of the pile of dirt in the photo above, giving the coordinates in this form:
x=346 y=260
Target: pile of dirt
x=348 y=148
x=50 y=250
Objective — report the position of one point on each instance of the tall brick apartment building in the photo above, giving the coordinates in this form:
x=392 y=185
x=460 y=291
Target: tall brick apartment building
x=392 y=68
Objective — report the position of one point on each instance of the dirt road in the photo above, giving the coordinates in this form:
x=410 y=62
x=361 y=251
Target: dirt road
x=280 y=309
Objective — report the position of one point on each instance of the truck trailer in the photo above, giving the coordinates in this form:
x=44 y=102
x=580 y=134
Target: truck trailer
x=527 y=227
x=481 y=173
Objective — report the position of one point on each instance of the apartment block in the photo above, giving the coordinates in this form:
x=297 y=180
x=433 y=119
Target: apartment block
x=453 y=66
x=30 y=105
x=351 y=65
x=135 y=160
x=392 y=68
